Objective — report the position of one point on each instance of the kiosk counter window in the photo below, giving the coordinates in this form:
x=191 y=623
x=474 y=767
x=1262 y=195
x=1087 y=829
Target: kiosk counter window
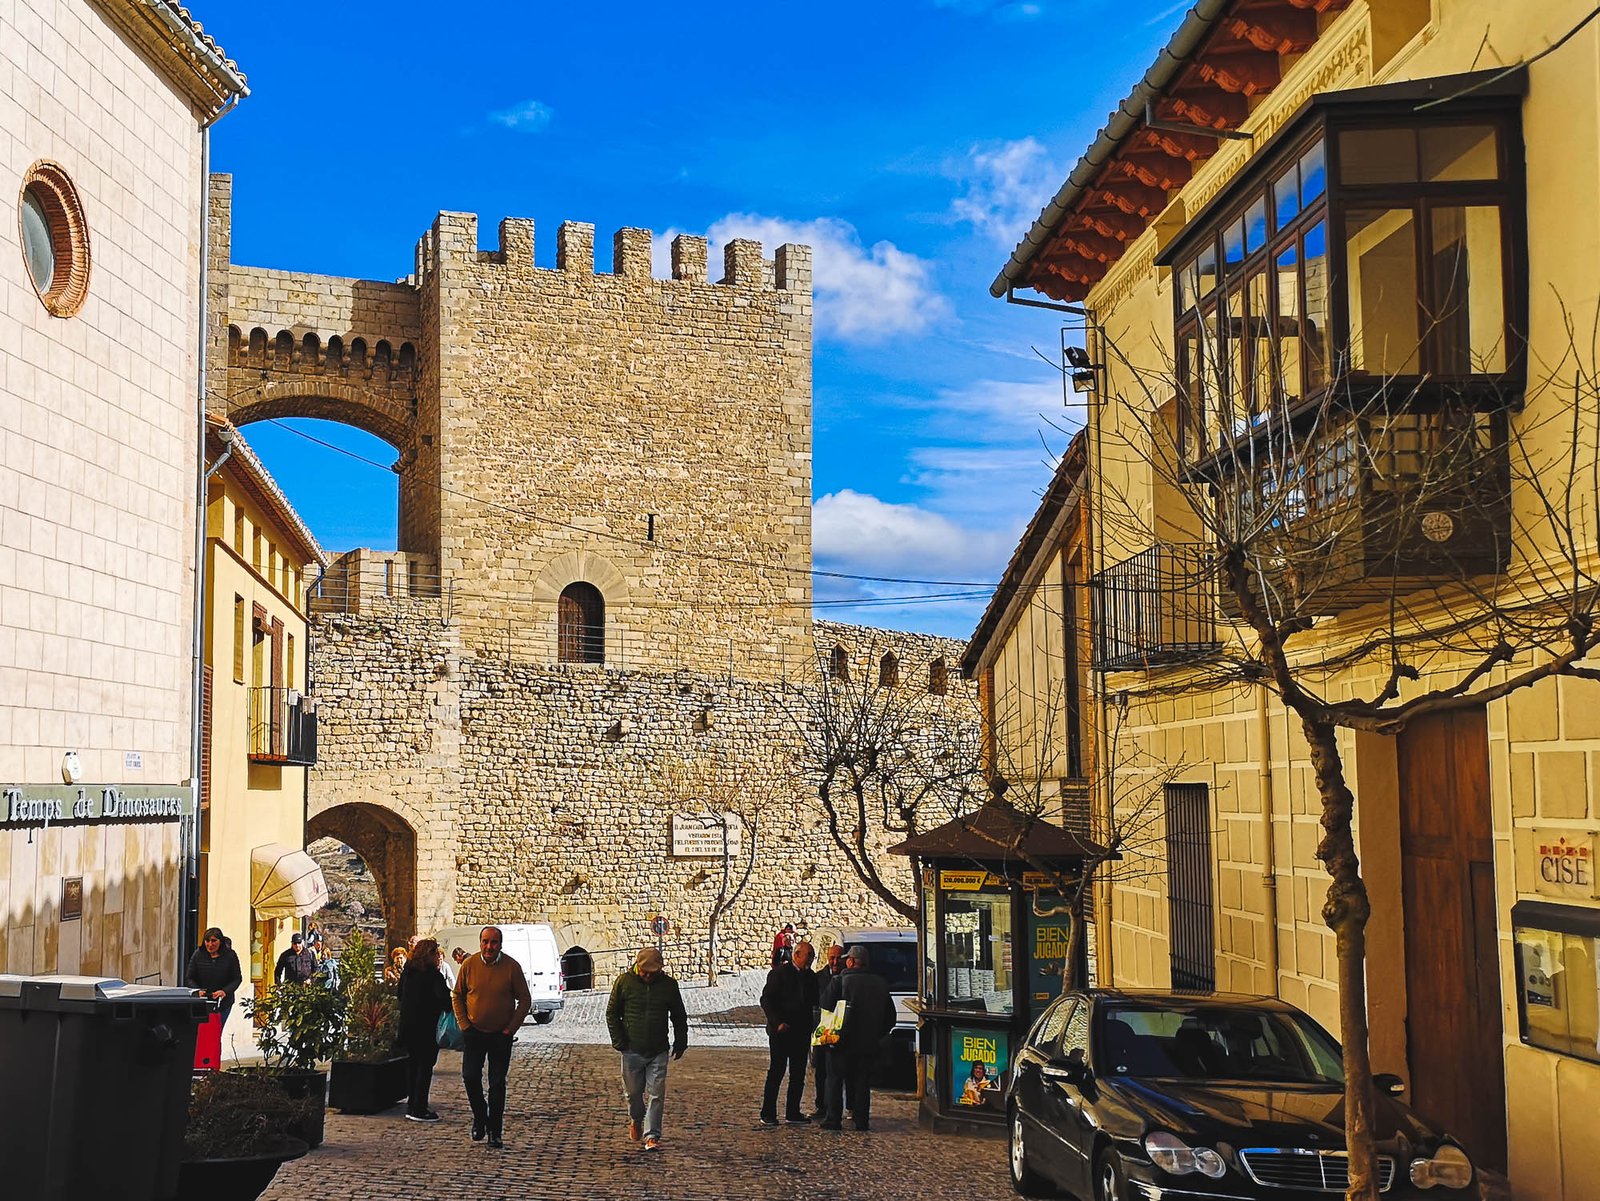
x=1558 y=977
x=977 y=951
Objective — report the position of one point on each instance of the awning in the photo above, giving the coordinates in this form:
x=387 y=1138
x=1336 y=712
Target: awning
x=285 y=882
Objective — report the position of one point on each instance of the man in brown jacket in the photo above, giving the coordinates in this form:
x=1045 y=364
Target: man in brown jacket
x=490 y=999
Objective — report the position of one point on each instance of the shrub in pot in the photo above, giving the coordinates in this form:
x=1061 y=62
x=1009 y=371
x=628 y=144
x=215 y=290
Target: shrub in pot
x=368 y=1074
x=299 y=1027
x=237 y=1136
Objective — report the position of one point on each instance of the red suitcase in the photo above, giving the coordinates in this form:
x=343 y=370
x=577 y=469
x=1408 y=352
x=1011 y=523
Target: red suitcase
x=208 y=1044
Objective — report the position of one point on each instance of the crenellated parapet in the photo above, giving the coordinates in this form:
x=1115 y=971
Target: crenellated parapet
x=454 y=237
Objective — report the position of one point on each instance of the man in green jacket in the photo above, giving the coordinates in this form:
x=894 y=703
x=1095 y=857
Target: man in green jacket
x=641 y=1002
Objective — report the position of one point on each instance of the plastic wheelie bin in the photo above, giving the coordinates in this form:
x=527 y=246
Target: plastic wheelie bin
x=94 y=1087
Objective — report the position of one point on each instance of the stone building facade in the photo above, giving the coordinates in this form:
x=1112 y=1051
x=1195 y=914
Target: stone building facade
x=599 y=603
x=104 y=107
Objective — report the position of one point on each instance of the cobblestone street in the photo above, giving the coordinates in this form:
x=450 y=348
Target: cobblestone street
x=566 y=1129
x=566 y=1137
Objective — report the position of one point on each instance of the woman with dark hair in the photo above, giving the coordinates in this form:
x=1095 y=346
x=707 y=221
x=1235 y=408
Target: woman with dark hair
x=213 y=971
x=423 y=997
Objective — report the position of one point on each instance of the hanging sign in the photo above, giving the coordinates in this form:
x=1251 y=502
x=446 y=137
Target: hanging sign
x=969 y=881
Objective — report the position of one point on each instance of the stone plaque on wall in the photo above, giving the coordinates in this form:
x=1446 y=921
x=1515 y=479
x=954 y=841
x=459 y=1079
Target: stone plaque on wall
x=699 y=835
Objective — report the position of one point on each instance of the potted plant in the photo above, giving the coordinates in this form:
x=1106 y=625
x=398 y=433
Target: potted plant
x=299 y=1027
x=368 y=1074
x=237 y=1136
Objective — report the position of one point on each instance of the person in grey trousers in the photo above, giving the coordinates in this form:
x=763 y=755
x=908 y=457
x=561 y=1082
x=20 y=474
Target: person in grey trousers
x=643 y=1000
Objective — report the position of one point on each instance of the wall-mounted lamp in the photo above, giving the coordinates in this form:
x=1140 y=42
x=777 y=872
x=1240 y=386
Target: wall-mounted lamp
x=1081 y=368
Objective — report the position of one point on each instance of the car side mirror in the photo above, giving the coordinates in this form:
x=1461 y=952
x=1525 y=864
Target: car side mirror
x=1388 y=1082
x=1072 y=1070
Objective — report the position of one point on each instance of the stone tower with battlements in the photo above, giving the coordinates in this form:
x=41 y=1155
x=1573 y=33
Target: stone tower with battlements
x=649 y=439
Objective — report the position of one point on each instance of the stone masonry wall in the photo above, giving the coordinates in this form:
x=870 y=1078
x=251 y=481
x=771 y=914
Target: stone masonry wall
x=650 y=437
x=556 y=803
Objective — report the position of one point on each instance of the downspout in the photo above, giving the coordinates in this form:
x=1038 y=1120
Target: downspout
x=190 y=828
x=1269 y=871
x=1106 y=942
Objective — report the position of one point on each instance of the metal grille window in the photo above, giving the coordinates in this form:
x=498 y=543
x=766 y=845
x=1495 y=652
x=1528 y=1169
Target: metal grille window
x=581 y=624
x=1194 y=960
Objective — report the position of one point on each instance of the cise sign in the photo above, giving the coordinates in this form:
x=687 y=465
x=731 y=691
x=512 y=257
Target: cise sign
x=1564 y=863
x=700 y=835
x=46 y=804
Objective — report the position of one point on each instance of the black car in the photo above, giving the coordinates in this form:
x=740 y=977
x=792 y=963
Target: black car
x=1161 y=1096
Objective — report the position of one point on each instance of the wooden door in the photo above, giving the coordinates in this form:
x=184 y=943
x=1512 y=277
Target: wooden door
x=1453 y=1025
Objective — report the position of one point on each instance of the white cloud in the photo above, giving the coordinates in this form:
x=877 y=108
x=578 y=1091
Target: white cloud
x=863 y=293
x=858 y=533
x=1006 y=187
x=530 y=116
x=1009 y=10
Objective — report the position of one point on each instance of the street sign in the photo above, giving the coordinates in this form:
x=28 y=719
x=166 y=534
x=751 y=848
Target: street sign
x=658 y=926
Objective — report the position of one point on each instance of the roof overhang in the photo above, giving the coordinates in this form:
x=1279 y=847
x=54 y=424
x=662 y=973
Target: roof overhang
x=258 y=484
x=1199 y=90
x=181 y=48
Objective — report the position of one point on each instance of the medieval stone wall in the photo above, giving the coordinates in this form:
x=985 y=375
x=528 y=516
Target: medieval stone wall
x=650 y=437
x=546 y=792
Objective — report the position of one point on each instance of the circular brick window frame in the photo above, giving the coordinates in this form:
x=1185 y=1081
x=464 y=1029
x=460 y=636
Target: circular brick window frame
x=52 y=191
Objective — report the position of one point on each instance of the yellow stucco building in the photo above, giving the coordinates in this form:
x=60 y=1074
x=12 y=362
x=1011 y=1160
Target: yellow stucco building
x=1333 y=263
x=258 y=717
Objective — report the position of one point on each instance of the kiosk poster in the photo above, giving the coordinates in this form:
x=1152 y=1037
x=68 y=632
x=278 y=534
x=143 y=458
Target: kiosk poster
x=978 y=1063
x=1048 y=938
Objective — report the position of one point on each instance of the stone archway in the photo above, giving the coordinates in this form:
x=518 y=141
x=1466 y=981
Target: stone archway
x=388 y=845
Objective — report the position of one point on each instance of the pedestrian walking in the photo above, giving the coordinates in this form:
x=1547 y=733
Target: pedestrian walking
x=832 y=969
x=424 y=997
x=783 y=944
x=643 y=1000
x=868 y=1016
x=296 y=965
x=491 y=999
x=213 y=971
x=789 y=1000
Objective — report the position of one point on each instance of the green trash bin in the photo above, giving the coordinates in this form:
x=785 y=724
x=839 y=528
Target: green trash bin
x=94 y=1086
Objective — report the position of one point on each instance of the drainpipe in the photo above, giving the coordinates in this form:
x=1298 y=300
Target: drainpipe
x=189 y=828
x=1269 y=872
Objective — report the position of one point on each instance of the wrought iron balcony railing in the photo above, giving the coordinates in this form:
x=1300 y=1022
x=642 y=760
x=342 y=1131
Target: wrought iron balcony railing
x=283 y=727
x=1157 y=609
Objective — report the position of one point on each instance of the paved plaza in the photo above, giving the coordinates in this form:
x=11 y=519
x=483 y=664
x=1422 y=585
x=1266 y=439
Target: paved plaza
x=566 y=1133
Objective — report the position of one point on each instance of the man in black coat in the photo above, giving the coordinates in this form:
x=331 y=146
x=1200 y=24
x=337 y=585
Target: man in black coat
x=296 y=965
x=869 y=1015
x=788 y=1000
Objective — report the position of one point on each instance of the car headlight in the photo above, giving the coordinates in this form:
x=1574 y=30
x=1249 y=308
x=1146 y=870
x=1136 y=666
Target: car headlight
x=1449 y=1167
x=1176 y=1157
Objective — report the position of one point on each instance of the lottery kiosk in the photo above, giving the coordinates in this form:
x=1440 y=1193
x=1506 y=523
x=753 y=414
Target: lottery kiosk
x=995 y=922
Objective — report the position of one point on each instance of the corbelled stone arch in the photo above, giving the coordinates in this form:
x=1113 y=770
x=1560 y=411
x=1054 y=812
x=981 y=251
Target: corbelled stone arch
x=387 y=843
x=329 y=400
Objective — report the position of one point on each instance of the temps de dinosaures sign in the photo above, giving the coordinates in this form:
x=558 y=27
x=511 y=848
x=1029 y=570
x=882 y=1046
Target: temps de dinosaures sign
x=45 y=804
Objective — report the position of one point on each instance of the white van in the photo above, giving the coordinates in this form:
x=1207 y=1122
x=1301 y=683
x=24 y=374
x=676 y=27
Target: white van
x=532 y=945
x=893 y=955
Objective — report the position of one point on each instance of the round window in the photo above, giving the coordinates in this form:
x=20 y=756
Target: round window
x=55 y=239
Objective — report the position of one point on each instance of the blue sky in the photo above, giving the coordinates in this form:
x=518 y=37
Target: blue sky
x=910 y=142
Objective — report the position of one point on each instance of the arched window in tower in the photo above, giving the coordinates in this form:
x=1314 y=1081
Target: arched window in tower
x=839 y=664
x=938 y=678
x=888 y=671
x=581 y=624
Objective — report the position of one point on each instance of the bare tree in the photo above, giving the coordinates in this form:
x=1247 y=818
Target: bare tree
x=885 y=759
x=1461 y=517
x=729 y=799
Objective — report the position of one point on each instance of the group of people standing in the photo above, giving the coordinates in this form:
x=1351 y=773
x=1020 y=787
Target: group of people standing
x=794 y=999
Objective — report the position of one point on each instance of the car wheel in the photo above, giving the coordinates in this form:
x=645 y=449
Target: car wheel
x=544 y=1018
x=1108 y=1178
x=1023 y=1178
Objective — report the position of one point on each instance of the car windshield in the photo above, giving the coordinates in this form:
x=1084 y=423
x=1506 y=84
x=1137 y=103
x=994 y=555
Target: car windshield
x=896 y=962
x=1201 y=1041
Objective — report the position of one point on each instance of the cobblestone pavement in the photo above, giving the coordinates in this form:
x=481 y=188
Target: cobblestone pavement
x=566 y=1137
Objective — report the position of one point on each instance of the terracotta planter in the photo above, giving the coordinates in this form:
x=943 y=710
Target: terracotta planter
x=240 y=1179
x=360 y=1086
